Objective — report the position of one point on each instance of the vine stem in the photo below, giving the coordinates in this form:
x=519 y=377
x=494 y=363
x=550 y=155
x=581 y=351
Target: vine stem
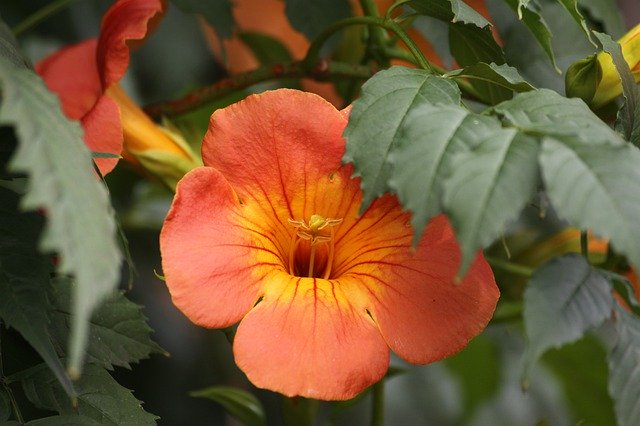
x=40 y=15
x=377 y=406
x=321 y=71
x=507 y=266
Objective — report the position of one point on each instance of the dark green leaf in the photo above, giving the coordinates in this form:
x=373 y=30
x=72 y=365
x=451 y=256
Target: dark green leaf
x=218 y=13
x=608 y=13
x=624 y=369
x=5 y=405
x=24 y=278
x=572 y=8
x=100 y=397
x=502 y=81
x=312 y=17
x=470 y=45
x=565 y=298
x=544 y=112
x=241 y=404
x=596 y=187
x=67 y=420
x=80 y=222
x=118 y=331
x=449 y=11
x=267 y=50
x=374 y=124
x=629 y=115
x=489 y=188
x=536 y=24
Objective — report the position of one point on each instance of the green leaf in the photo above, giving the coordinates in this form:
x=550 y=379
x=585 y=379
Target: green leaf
x=470 y=45
x=80 y=222
x=502 y=81
x=99 y=397
x=572 y=8
x=624 y=369
x=608 y=13
x=545 y=113
x=450 y=11
x=118 y=331
x=9 y=47
x=629 y=115
x=218 y=13
x=312 y=17
x=375 y=121
x=267 y=50
x=536 y=24
x=565 y=298
x=67 y=420
x=489 y=188
x=24 y=278
x=241 y=404
x=596 y=187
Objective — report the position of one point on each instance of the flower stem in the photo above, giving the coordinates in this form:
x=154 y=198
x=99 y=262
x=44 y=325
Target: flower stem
x=507 y=266
x=298 y=411
x=322 y=71
x=377 y=406
x=40 y=15
x=389 y=24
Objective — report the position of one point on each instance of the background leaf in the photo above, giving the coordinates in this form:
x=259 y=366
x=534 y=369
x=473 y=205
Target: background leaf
x=624 y=369
x=572 y=8
x=24 y=278
x=80 y=223
x=596 y=187
x=218 y=13
x=565 y=298
x=312 y=17
x=449 y=11
x=241 y=404
x=100 y=397
x=379 y=113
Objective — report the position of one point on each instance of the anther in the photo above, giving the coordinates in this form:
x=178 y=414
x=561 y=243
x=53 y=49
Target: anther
x=311 y=231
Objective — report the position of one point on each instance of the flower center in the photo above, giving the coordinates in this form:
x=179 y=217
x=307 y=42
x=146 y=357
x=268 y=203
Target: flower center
x=318 y=231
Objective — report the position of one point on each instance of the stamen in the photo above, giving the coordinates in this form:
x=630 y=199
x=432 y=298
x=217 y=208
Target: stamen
x=311 y=232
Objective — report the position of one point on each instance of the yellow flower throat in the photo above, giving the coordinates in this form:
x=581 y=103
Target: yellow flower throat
x=315 y=232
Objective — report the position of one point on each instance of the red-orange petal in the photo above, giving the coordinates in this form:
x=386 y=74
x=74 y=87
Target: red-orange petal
x=422 y=313
x=214 y=264
x=307 y=338
x=72 y=74
x=276 y=145
x=125 y=21
x=103 y=132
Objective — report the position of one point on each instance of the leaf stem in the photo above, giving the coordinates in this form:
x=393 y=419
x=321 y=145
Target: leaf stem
x=40 y=15
x=508 y=266
x=377 y=404
x=584 y=244
x=322 y=71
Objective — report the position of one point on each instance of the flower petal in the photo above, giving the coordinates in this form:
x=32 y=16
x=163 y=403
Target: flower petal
x=213 y=259
x=423 y=315
x=103 y=132
x=307 y=338
x=72 y=74
x=124 y=21
x=277 y=146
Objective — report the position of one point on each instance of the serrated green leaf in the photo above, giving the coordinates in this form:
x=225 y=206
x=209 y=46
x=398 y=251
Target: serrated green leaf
x=218 y=13
x=596 y=187
x=572 y=8
x=536 y=24
x=427 y=142
x=312 y=17
x=545 y=113
x=239 y=403
x=119 y=334
x=24 y=278
x=80 y=222
x=449 y=11
x=565 y=298
x=68 y=420
x=100 y=397
x=629 y=115
x=624 y=369
x=489 y=188
x=503 y=81
x=374 y=123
